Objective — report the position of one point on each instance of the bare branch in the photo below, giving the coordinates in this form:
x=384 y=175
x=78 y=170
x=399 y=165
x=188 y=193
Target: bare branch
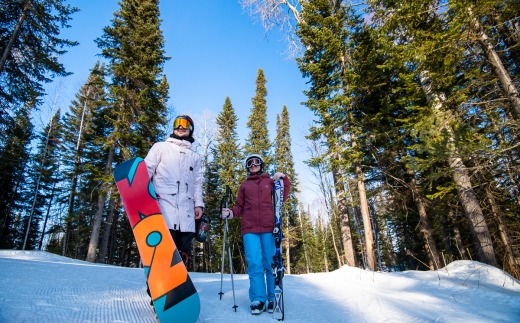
x=281 y=14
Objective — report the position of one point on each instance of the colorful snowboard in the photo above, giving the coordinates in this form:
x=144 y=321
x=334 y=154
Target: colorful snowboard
x=174 y=296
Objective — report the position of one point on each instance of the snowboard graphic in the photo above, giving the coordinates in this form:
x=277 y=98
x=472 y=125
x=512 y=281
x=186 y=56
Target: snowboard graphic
x=174 y=296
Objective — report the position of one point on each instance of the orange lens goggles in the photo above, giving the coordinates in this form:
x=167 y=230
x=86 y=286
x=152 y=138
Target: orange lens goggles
x=182 y=122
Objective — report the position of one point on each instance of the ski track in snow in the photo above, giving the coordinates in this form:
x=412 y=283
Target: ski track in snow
x=47 y=288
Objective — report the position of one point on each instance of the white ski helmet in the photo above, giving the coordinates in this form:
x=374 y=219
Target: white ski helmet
x=254 y=158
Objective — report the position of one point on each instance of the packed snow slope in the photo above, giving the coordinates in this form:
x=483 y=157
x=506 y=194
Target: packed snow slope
x=42 y=287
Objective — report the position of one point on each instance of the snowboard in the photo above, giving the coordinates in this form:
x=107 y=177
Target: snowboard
x=277 y=266
x=173 y=294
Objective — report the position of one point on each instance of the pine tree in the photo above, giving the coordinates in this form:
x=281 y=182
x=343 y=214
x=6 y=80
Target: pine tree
x=205 y=139
x=442 y=133
x=284 y=164
x=212 y=208
x=133 y=46
x=258 y=139
x=327 y=31
x=14 y=158
x=304 y=237
x=30 y=47
x=230 y=170
x=84 y=130
x=388 y=89
x=45 y=176
x=227 y=153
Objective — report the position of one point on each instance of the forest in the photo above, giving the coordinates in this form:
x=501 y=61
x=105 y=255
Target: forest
x=415 y=147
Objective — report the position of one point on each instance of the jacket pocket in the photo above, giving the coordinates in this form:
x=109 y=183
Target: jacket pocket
x=246 y=222
x=189 y=191
x=162 y=186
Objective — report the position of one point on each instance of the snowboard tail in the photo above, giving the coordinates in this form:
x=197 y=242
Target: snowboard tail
x=173 y=294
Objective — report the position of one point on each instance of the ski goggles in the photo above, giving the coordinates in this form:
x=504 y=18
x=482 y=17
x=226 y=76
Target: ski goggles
x=182 y=122
x=253 y=162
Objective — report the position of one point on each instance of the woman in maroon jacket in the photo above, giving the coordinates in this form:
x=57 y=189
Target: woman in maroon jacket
x=254 y=204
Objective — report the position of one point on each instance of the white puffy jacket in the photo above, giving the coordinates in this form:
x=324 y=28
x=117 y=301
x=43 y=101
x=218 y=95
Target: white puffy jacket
x=177 y=180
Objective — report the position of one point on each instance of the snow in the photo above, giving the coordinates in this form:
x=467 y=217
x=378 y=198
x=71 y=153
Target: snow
x=41 y=287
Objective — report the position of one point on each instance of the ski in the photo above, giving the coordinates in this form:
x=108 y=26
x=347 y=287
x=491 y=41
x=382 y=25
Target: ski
x=173 y=294
x=277 y=266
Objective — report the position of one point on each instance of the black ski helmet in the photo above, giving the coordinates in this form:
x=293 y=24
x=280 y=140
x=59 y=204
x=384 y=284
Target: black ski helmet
x=187 y=123
x=261 y=162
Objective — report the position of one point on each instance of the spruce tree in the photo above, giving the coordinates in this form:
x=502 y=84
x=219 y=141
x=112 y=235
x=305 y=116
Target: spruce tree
x=229 y=171
x=134 y=48
x=14 y=162
x=432 y=108
x=30 y=47
x=45 y=175
x=284 y=164
x=227 y=152
x=441 y=132
x=328 y=31
x=84 y=129
x=258 y=139
x=304 y=241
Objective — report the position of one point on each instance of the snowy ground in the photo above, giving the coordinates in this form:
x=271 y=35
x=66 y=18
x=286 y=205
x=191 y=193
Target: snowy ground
x=41 y=287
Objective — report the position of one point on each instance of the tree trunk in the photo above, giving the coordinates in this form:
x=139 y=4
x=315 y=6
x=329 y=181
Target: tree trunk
x=457 y=237
x=338 y=257
x=14 y=35
x=323 y=241
x=106 y=231
x=511 y=253
x=112 y=238
x=441 y=219
x=471 y=206
x=500 y=71
x=94 y=236
x=74 y=181
x=510 y=36
x=205 y=257
x=355 y=216
x=303 y=239
x=429 y=240
x=341 y=203
x=47 y=213
x=467 y=196
x=367 y=225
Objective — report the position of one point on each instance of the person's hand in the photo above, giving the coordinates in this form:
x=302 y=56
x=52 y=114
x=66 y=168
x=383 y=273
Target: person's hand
x=198 y=212
x=227 y=214
x=277 y=176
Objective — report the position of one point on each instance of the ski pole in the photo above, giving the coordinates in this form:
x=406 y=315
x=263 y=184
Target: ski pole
x=222 y=265
x=223 y=252
x=228 y=197
x=231 y=268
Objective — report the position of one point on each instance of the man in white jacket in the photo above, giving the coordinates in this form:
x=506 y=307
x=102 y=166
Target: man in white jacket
x=177 y=179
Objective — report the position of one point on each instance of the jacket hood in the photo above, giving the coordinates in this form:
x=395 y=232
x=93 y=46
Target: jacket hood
x=190 y=138
x=180 y=142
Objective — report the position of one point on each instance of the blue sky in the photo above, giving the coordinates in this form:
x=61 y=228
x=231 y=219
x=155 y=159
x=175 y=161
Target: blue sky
x=215 y=51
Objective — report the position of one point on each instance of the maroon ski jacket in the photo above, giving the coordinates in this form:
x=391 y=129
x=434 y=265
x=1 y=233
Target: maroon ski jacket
x=254 y=203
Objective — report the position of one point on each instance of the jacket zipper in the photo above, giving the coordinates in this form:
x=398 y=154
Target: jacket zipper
x=178 y=190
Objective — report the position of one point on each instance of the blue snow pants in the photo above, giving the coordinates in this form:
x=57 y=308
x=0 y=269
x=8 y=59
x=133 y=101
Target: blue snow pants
x=260 y=249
